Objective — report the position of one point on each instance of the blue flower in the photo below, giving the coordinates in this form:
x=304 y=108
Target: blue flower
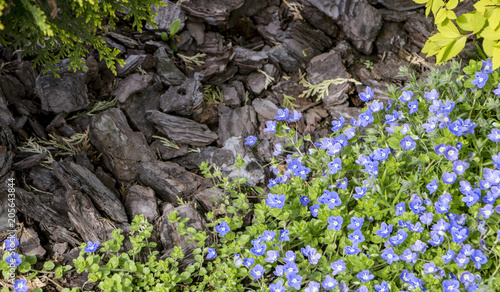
x=278 y=287
x=275 y=201
x=335 y=166
x=282 y=114
x=277 y=149
x=291 y=268
x=251 y=140
x=385 y=230
x=494 y=135
x=337 y=125
x=479 y=258
x=413 y=106
x=304 y=200
x=13 y=260
x=270 y=127
x=419 y=246
x=362 y=289
x=389 y=256
x=487 y=67
x=237 y=260
x=258 y=249
x=312 y=287
x=350 y=133
x=467 y=250
x=459 y=167
x=400 y=208
x=409 y=257
x=294 y=281
x=376 y=106
x=480 y=80
x=351 y=250
x=248 y=262
x=335 y=223
x=449 y=177
x=407 y=143
x=337 y=267
x=365 y=276
x=11 y=243
x=467 y=278
x=366 y=118
x=284 y=233
x=272 y=256
x=211 y=253
x=451 y=285
x=279 y=271
x=257 y=271
x=441 y=148
x=433 y=95
x=223 y=228
x=294 y=116
x=460 y=234
x=430 y=268
x=417 y=227
x=329 y=283
x=367 y=95
x=389 y=119
x=381 y=153
x=486 y=211
x=399 y=238
x=406 y=96
x=471 y=198
x=314 y=210
x=356 y=237
x=450 y=254
x=416 y=205
x=383 y=287
x=461 y=260
x=497 y=91
x=432 y=186
x=360 y=192
x=356 y=223
x=20 y=285
x=91 y=246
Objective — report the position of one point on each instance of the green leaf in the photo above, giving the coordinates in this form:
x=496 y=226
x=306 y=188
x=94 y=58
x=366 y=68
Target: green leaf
x=448 y=29
x=175 y=26
x=393 y=142
x=24 y=267
x=59 y=272
x=31 y=258
x=490 y=33
x=473 y=21
x=37 y=290
x=451 y=50
x=48 y=266
x=424 y=158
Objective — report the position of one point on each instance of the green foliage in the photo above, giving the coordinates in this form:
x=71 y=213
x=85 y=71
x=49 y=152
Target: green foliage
x=52 y=30
x=484 y=23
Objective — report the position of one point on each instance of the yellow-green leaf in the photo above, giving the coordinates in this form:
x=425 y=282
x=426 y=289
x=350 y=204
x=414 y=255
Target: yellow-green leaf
x=440 y=40
x=490 y=34
x=451 y=50
x=481 y=5
x=496 y=56
x=488 y=46
x=430 y=48
x=452 y=4
x=436 y=5
x=421 y=1
x=494 y=18
x=440 y=16
x=448 y=29
x=451 y=15
x=473 y=21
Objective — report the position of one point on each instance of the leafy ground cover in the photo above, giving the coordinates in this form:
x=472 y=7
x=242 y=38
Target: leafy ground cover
x=404 y=198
